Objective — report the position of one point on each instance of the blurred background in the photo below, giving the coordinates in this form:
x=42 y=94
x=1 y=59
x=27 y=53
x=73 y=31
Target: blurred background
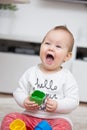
x=22 y=28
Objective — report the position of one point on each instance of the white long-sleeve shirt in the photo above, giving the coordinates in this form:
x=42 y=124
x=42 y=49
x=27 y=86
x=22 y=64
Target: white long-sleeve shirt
x=60 y=86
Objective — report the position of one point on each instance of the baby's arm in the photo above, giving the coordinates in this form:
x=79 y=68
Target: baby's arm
x=23 y=89
x=70 y=100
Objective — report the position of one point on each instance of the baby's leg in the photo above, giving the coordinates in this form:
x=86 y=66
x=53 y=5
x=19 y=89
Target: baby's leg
x=7 y=120
x=60 y=124
x=30 y=122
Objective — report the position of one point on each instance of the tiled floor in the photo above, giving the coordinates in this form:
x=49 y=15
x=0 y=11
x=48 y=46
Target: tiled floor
x=78 y=116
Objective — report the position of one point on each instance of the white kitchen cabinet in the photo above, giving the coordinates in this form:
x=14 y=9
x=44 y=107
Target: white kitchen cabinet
x=12 y=66
x=79 y=69
x=80 y=73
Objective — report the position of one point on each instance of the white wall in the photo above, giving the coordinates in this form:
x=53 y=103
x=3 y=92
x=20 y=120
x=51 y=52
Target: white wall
x=34 y=19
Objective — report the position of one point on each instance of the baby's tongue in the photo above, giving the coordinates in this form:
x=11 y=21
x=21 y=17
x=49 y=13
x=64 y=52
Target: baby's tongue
x=49 y=59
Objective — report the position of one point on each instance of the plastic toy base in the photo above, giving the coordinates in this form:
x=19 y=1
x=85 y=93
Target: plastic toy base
x=17 y=125
x=43 y=125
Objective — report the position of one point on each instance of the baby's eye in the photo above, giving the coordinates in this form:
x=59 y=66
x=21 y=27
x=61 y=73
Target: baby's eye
x=47 y=43
x=58 y=46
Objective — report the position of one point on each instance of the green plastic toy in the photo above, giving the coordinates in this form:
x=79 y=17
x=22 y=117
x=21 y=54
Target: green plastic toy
x=38 y=96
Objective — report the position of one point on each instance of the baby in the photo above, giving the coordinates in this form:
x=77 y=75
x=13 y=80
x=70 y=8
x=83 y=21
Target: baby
x=55 y=81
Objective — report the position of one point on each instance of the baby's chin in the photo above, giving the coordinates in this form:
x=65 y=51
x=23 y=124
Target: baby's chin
x=50 y=69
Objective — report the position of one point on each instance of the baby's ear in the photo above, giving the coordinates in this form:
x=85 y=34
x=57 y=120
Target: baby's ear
x=68 y=56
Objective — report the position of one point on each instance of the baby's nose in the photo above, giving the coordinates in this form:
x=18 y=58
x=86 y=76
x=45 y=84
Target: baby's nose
x=51 y=48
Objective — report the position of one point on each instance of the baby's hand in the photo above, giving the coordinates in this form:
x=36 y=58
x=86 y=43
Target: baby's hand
x=51 y=105
x=30 y=105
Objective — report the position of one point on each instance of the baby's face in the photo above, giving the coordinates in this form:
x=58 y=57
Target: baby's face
x=54 y=49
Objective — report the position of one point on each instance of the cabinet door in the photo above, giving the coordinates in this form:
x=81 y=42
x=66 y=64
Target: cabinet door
x=12 y=66
x=79 y=70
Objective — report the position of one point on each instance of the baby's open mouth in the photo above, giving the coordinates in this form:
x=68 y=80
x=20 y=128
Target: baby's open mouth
x=49 y=58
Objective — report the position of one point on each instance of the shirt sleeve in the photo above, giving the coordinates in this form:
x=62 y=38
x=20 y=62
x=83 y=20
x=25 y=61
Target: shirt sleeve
x=22 y=91
x=70 y=99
